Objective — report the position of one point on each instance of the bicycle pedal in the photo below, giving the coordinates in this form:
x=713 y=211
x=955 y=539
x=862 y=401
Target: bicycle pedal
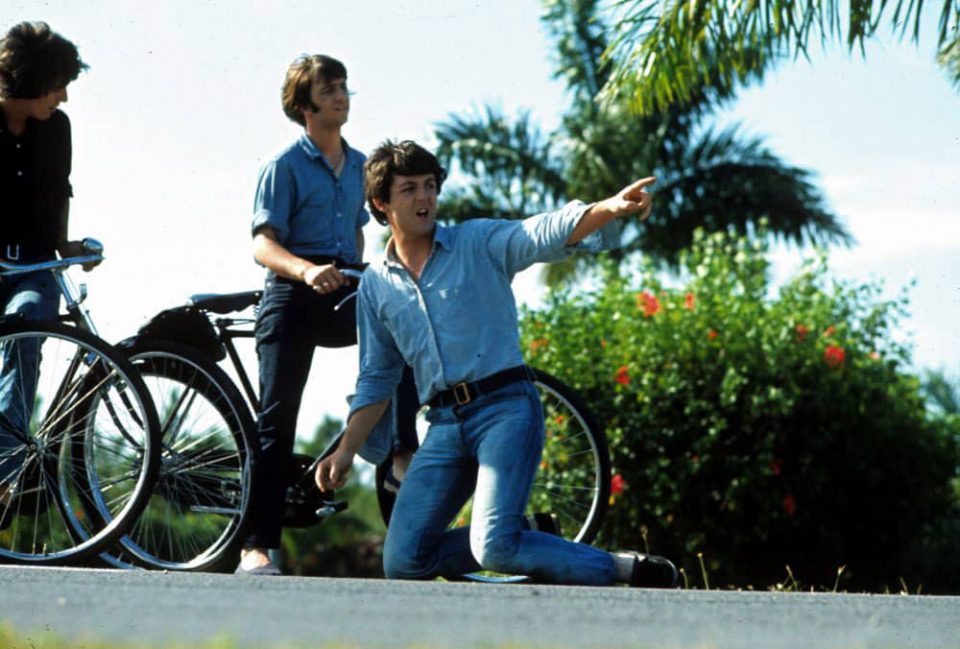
x=330 y=507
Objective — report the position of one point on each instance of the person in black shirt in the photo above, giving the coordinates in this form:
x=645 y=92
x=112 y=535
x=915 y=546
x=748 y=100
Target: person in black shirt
x=36 y=66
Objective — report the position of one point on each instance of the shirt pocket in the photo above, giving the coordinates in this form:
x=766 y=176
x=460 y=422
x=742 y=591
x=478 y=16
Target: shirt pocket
x=318 y=197
x=314 y=221
x=406 y=321
x=457 y=310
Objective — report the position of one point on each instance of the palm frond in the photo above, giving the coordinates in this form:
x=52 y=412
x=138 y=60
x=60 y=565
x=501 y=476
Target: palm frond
x=579 y=36
x=727 y=182
x=949 y=60
x=509 y=164
x=664 y=53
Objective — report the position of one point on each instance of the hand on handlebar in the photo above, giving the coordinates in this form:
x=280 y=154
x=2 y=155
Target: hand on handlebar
x=323 y=279
x=78 y=249
x=332 y=471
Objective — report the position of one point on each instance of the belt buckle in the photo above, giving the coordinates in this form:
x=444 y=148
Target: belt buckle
x=465 y=390
x=13 y=251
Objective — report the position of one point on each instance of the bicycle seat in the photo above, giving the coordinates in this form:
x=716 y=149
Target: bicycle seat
x=226 y=302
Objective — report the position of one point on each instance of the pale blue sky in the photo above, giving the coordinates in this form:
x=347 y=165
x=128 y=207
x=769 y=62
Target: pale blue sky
x=181 y=105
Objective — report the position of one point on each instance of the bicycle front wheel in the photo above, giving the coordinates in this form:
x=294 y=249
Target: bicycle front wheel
x=196 y=517
x=77 y=428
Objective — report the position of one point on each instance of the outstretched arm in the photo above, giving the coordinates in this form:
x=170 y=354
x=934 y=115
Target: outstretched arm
x=629 y=200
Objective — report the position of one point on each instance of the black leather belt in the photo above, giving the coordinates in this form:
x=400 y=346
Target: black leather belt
x=463 y=393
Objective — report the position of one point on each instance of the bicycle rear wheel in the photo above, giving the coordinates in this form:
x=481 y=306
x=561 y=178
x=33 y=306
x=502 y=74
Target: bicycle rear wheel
x=197 y=515
x=573 y=480
x=78 y=428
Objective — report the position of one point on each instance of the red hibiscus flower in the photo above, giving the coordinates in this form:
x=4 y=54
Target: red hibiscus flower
x=648 y=303
x=834 y=356
x=623 y=375
x=712 y=334
x=802 y=332
x=688 y=302
x=829 y=331
x=617 y=485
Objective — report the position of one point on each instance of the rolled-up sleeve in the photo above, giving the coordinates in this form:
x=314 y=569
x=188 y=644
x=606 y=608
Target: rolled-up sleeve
x=274 y=199
x=543 y=238
x=381 y=364
x=363 y=216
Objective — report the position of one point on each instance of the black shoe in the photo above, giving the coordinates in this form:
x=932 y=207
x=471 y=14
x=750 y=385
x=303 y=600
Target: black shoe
x=546 y=523
x=651 y=571
x=268 y=570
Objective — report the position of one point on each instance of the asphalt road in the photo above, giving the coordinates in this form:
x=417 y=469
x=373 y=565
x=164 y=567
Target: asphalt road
x=154 y=606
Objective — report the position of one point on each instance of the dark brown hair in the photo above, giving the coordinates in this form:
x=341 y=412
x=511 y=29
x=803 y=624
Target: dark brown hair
x=390 y=159
x=301 y=74
x=34 y=60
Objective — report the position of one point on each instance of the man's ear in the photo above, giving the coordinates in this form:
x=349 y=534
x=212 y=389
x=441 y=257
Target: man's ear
x=379 y=204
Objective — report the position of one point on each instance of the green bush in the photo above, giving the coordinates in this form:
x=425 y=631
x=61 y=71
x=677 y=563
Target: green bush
x=760 y=430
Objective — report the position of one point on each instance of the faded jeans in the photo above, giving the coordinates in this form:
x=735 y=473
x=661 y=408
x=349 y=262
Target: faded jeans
x=489 y=448
x=36 y=297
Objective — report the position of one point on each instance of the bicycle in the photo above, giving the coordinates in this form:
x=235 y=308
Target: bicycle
x=84 y=436
x=197 y=516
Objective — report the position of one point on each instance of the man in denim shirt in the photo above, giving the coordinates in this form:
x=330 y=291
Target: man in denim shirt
x=442 y=302
x=308 y=215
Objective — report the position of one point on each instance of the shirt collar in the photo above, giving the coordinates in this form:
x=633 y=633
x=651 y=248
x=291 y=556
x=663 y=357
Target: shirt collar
x=442 y=238
x=314 y=153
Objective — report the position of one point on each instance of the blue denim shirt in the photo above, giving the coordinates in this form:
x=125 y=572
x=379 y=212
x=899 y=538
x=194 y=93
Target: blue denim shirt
x=313 y=211
x=459 y=322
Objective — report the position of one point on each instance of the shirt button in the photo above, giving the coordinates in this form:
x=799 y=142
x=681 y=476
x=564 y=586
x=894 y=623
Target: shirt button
x=339 y=214
x=19 y=173
x=18 y=146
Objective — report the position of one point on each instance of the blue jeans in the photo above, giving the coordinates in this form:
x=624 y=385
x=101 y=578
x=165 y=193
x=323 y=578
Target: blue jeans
x=491 y=449
x=36 y=297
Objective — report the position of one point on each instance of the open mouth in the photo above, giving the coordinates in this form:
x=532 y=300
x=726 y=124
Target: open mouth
x=423 y=213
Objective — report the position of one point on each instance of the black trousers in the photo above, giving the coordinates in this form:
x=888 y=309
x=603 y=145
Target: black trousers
x=293 y=321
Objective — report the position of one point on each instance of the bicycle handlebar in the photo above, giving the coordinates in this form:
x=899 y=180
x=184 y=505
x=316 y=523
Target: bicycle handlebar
x=93 y=247
x=9 y=270
x=355 y=274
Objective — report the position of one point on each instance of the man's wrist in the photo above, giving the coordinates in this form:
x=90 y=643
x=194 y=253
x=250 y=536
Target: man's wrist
x=348 y=442
x=302 y=272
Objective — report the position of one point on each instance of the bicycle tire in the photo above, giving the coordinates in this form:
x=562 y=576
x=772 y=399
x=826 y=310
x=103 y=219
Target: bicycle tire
x=198 y=514
x=573 y=481
x=91 y=436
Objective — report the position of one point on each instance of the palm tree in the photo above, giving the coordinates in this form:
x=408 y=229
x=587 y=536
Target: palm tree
x=716 y=180
x=664 y=51
x=943 y=393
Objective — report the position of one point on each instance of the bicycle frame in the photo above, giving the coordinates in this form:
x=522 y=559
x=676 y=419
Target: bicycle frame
x=226 y=333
